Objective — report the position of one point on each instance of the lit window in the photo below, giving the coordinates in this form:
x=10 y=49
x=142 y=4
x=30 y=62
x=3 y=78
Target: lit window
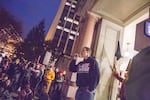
x=68 y=4
x=71 y=37
x=75 y=33
x=59 y=27
x=71 y=20
x=73 y=6
x=67 y=30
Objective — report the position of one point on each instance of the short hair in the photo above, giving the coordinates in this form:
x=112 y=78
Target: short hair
x=5 y=61
x=87 y=49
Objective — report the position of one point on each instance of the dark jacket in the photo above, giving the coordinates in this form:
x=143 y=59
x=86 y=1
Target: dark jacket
x=43 y=96
x=88 y=74
x=137 y=87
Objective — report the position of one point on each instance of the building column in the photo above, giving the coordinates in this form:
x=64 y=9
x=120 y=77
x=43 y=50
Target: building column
x=89 y=29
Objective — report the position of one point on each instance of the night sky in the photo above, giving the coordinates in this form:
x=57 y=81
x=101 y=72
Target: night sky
x=31 y=12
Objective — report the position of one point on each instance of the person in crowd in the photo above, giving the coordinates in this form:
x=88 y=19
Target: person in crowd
x=49 y=76
x=54 y=83
x=23 y=65
x=5 y=94
x=15 y=73
x=17 y=68
x=44 y=95
x=36 y=75
x=26 y=75
x=39 y=80
x=5 y=66
x=6 y=82
x=88 y=75
x=27 y=93
x=5 y=88
x=11 y=71
x=59 y=80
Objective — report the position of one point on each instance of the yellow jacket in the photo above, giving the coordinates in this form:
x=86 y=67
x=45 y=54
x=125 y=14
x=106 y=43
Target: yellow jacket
x=49 y=75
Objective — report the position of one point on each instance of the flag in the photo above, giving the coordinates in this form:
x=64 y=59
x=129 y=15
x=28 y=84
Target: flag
x=118 y=52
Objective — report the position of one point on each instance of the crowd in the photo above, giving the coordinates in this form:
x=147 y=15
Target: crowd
x=35 y=81
x=29 y=80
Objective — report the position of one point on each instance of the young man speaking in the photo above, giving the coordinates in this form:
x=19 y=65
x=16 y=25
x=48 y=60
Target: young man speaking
x=88 y=75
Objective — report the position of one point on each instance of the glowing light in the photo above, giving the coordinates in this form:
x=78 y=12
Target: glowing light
x=71 y=20
x=71 y=37
x=68 y=4
x=67 y=30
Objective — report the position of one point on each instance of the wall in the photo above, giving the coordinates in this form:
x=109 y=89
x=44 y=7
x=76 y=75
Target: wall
x=129 y=35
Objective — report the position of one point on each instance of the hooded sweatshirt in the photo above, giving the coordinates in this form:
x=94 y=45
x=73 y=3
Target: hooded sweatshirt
x=88 y=74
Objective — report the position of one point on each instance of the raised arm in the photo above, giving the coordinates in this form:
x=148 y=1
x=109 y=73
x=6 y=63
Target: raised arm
x=73 y=66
